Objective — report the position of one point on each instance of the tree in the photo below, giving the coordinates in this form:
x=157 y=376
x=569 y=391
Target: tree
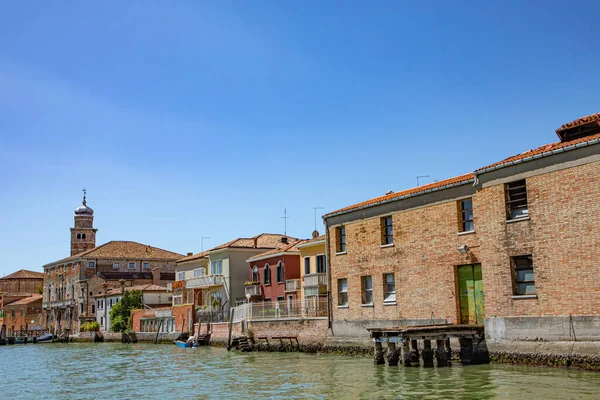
x=120 y=313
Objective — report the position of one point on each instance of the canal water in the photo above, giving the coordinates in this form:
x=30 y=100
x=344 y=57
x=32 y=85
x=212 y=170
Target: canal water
x=145 y=371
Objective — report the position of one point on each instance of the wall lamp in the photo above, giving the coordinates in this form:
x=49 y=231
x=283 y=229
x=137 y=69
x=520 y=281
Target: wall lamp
x=463 y=249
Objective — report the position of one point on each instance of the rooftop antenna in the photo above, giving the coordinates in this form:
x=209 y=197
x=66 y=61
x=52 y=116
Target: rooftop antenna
x=285 y=218
x=202 y=243
x=421 y=176
x=317 y=208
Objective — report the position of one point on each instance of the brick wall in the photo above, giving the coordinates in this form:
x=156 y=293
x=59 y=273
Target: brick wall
x=424 y=258
x=184 y=317
x=562 y=235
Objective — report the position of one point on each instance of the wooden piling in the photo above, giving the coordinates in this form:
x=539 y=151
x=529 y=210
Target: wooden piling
x=393 y=356
x=466 y=350
x=406 y=353
x=378 y=353
x=441 y=353
x=427 y=354
x=414 y=354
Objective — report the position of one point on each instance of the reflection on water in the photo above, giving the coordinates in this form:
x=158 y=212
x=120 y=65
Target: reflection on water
x=90 y=371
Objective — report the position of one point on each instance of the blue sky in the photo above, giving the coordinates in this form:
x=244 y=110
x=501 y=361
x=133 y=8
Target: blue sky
x=191 y=119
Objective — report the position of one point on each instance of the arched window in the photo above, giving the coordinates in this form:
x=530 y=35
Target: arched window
x=79 y=236
x=255 y=274
x=267 y=275
x=280 y=272
x=83 y=236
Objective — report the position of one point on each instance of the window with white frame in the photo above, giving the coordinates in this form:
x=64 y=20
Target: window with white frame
x=146 y=265
x=216 y=267
x=91 y=264
x=131 y=265
x=181 y=276
x=198 y=272
x=389 y=288
x=116 y=266
x=367 y=290
x=342 y=292
x=267 y=275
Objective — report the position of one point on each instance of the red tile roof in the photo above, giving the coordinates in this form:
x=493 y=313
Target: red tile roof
x=123 y=250
x=27 y=300
x=459 y=180
x=578 y=122
x=24 y=274
x=541 y=150
x=143 y=288
x=196 y=256
x=291 y=248
x=263 y=241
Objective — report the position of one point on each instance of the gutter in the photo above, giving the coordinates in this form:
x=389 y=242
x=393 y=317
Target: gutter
x=407 y=196
x=538 y=156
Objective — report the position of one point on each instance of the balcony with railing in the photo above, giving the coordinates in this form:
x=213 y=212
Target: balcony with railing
x=254 y=290
x=292 y=285
x=204 y=281
x=315 y=280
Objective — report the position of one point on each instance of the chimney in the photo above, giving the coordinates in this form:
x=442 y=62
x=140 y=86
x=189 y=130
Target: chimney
x=284 y=240
x=122 y=282
x=190 y=254
x=315 y=234
x=255 y=242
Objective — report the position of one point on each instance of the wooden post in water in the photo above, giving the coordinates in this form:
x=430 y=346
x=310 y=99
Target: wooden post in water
x=414 y=353
x=379 y=353
x=427 y=354
x=466 y=350
x=441 y=355
x=392 y=355
x=406 y=353
x=231 y=314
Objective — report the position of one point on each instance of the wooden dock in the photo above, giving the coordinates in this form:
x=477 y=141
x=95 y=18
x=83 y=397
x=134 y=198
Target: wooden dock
x=471 y=338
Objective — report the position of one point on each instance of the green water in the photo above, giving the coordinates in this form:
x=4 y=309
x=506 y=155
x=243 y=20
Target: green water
x=118 y=371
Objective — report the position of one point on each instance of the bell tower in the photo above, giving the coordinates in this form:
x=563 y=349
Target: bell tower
x=83 y=234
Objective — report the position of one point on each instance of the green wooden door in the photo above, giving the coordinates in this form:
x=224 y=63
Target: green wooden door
x=470 y=289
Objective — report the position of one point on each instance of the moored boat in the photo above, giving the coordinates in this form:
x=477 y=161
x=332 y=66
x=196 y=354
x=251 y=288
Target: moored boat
x=46 y=338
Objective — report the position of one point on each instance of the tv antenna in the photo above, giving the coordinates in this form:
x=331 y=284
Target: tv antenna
x=317 y=208
x=421 y=176
x=285 y=218
x=202 y=243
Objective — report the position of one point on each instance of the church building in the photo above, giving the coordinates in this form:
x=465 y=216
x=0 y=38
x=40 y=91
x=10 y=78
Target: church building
x=70 y=284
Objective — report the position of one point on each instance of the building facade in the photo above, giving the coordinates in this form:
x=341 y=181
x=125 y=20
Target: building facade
x=153 y=296
x=70 y=284
x=275 y=275
x=226 y=272
x=313 y=269
x=512 y=246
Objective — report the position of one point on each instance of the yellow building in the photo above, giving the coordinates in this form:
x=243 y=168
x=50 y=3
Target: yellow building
x=313 y=271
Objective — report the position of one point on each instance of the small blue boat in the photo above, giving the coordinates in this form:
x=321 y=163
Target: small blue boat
x=182 y=344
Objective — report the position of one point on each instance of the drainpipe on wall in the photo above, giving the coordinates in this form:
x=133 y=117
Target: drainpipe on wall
x=328 y=268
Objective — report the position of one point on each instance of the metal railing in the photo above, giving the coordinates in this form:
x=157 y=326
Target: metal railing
x=315 y=280
x=204 y=281
x=310 y=308
x=212 y=316
x=292 y=285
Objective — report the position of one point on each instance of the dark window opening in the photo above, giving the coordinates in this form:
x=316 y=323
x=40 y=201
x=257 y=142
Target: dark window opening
x=466 y=216
x=341 y=239
x=516 y=199
x=523 y=275
x=387 y=232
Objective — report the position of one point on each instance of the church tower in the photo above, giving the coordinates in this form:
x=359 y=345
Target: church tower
x=83 y=235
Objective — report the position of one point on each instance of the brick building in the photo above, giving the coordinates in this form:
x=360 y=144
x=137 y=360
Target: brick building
x=70 y=284
x=17 y=291
x=24 y=314
x=513 y=245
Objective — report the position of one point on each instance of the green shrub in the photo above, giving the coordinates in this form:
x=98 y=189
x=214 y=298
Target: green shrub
x=90 y=326
x=120 y=313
